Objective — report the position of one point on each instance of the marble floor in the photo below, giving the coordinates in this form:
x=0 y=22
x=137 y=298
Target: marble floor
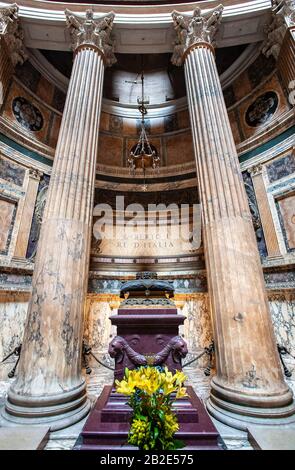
x=100 y=376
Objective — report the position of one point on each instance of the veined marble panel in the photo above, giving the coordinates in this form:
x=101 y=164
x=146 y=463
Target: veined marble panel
x=7 y=212
x=37 y=217
x=282 y=307
x=13 y=311
x=11 y=172
x=281 y=167
x=98 y=330
x=197 y=329
x=287 y=209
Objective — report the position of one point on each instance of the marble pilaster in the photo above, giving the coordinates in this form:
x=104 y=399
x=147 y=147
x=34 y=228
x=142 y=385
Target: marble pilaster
x=249 y=385
x=269 y=230
x=28 y=207
x=50 y=387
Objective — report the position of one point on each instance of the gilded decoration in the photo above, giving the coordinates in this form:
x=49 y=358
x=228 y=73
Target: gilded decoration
x=27 y=114
x=191 y=30
x=92 y=31
x=262 y=109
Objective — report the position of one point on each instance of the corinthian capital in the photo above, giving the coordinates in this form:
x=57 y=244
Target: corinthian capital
x=12 y=33
x=92 y=31
x=283 y=17
x=7 y=16
x=191 y=30
x=284 y=9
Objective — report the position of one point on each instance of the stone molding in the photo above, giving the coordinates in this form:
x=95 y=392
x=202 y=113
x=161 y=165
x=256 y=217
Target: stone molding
x=92 y=31
x=193 y=31
x=12 y=33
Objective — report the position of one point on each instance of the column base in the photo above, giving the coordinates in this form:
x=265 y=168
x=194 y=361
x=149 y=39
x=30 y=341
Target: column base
x=56 y=412
x=241 y=416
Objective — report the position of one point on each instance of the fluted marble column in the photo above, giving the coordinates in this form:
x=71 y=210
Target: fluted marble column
x=50 y=387
x=286 y=62
x=12 y=51
x=249 y=384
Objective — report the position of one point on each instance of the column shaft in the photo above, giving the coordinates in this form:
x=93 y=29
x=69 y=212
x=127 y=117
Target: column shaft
x=6 y=70
x=286 y=59
x=50 y=387
x=248 y=371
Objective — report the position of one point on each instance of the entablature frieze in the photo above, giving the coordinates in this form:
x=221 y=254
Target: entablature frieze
x=141 y=28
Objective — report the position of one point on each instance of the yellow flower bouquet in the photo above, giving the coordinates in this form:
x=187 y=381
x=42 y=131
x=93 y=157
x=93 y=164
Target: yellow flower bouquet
x=152 y=391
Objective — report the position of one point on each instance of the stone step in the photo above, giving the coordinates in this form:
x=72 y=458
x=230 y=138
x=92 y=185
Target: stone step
x=128 y=447
x=23 y=437
x=121 y=413
x=105 y=427
x=272 y=438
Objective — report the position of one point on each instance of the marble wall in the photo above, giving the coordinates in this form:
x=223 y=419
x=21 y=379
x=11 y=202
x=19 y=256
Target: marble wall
x=13 y=310
x=282 y=307
x=98 y=330
x=7 y=211
x=197 y=329
x=287 y=211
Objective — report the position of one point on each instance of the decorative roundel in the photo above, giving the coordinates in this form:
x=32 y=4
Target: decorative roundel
x=262 y=109
x=27 y=114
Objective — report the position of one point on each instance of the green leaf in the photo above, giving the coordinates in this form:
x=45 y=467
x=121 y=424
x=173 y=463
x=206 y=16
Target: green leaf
x=156 y=433
x=142 y=418
x=161 y=415
x=177 y=444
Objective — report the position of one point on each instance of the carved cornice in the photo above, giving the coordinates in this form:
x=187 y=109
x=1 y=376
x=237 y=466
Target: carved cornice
x=12 y=33
x=283 y=17
x=193 y=31
x=92 y=32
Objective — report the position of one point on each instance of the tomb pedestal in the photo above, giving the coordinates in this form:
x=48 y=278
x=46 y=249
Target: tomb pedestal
x=147 y=334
